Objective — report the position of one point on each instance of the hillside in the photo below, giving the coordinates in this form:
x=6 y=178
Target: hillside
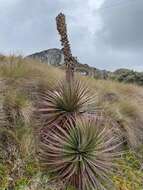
x=55 y=57
x=119 y=107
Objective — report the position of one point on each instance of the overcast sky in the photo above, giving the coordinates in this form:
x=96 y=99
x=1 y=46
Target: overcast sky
x=107 y=34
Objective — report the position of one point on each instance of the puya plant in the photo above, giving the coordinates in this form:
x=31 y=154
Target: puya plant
x=81 y=155
x=75 y=148
x=66 y=101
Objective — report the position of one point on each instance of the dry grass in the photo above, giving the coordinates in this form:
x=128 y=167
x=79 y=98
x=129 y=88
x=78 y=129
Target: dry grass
x=122 y=103
x=20 y=72
x=21 y=80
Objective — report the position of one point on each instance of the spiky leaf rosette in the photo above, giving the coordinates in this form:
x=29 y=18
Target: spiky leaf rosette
x=80 y=155
x=66 y=101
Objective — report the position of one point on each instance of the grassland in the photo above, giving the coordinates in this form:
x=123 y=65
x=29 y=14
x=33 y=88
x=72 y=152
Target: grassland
x=21 y=81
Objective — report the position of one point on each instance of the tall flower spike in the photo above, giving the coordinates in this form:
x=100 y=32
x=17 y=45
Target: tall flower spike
x=69 y=59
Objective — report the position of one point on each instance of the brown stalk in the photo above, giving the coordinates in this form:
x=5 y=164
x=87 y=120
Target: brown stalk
x=68 y=58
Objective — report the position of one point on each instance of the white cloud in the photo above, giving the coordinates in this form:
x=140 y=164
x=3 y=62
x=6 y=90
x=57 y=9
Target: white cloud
x=29 y=25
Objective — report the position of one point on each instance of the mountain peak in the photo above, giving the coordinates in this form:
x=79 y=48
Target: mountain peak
x=52 y=56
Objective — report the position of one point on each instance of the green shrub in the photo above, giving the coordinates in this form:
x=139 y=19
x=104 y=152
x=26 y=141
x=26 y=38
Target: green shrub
x=129 y=175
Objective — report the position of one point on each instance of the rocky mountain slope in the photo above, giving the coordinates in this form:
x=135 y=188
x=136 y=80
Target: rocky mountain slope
x=51 y=56
x=55 y=57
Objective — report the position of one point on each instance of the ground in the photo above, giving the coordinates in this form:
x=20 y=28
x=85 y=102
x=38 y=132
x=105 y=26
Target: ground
x=21 y=81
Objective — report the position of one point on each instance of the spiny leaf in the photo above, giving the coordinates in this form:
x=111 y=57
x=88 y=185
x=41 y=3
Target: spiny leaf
x=66 y=101
x=81 y=154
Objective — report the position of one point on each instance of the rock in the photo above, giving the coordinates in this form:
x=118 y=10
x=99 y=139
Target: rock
x=50 y=56
x=55 y=57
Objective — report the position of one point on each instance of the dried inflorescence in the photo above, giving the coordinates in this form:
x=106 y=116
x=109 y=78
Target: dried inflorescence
x=69 y=59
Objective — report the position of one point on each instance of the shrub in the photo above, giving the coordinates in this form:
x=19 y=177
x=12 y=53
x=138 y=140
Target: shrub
x=129 y=175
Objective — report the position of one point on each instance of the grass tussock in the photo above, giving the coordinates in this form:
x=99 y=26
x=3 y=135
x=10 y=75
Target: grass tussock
x=122 y=103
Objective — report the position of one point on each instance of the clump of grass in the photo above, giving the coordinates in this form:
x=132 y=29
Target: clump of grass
x=17 y=150
x=17 y=66
x=13 y=67
x=17 y=107
x=127 y=117
x=122 y=104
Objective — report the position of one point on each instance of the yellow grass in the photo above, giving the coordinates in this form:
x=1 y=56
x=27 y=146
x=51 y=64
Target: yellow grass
x=22 y=79
x=122 y=103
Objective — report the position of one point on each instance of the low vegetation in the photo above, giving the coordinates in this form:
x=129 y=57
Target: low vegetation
x=87 y=135
x=127 y=76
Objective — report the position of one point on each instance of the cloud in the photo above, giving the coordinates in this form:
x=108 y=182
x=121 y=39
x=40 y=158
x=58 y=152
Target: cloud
x=119 y=40
x=104 y=33
x=29 y=26
x=122 y=24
